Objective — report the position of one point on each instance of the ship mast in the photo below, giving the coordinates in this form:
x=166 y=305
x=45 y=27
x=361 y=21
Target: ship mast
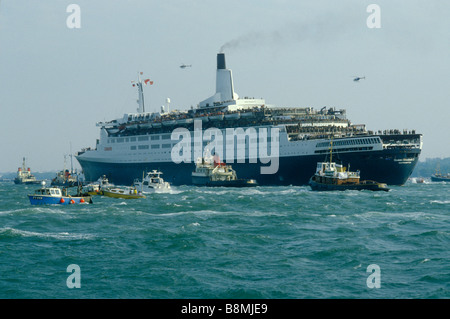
x=140 y=100
x=71 y=161
x=139 y=84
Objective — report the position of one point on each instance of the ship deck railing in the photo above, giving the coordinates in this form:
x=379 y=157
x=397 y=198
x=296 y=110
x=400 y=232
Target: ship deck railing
x=296 y=133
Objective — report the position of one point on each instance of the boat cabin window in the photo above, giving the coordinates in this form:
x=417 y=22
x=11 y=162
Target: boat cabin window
x=326 y=166
x=53 y=192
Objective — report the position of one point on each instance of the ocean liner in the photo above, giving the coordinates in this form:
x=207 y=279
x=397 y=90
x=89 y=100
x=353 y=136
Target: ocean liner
x=273 y=145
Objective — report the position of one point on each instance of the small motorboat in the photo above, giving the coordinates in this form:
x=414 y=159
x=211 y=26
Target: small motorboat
x=152 y=182
x=123 y=192
x=97 y=188
x=56 y=196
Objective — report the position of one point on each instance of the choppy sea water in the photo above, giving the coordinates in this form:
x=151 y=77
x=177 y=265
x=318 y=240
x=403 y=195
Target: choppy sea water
x=199 y=242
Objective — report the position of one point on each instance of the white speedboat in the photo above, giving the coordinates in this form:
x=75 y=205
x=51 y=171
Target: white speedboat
x=152 y=182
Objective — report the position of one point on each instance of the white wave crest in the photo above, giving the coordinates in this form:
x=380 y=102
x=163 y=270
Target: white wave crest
x=61 y=235
x=440 y=202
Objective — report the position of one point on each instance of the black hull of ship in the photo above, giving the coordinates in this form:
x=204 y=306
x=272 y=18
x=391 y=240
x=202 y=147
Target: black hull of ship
x=392 y=167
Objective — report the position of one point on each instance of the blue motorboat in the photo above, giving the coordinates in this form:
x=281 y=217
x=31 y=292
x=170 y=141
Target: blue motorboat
x=56 y=196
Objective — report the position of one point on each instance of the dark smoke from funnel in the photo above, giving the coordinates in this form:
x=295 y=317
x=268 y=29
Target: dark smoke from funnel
x=322 y=28
x=253 y=39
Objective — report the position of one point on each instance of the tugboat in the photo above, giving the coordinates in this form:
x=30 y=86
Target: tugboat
x=24 y=175
x=151 y=183
x=56 y=196
x=209 y=171
x=439 y=177
x=65 y=177
x=331 y=176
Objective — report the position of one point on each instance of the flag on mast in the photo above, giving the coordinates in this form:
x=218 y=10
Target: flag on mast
x=145 y=82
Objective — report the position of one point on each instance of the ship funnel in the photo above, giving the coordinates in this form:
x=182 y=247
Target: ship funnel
x=221 y=61
x=224 y=84
x=224 y=81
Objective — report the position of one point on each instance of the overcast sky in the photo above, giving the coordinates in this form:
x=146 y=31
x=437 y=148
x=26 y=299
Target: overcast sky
x=57 y=82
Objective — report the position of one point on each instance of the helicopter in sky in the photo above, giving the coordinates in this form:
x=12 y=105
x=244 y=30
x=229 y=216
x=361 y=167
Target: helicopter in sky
x=184 y=66
x=357 y=78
